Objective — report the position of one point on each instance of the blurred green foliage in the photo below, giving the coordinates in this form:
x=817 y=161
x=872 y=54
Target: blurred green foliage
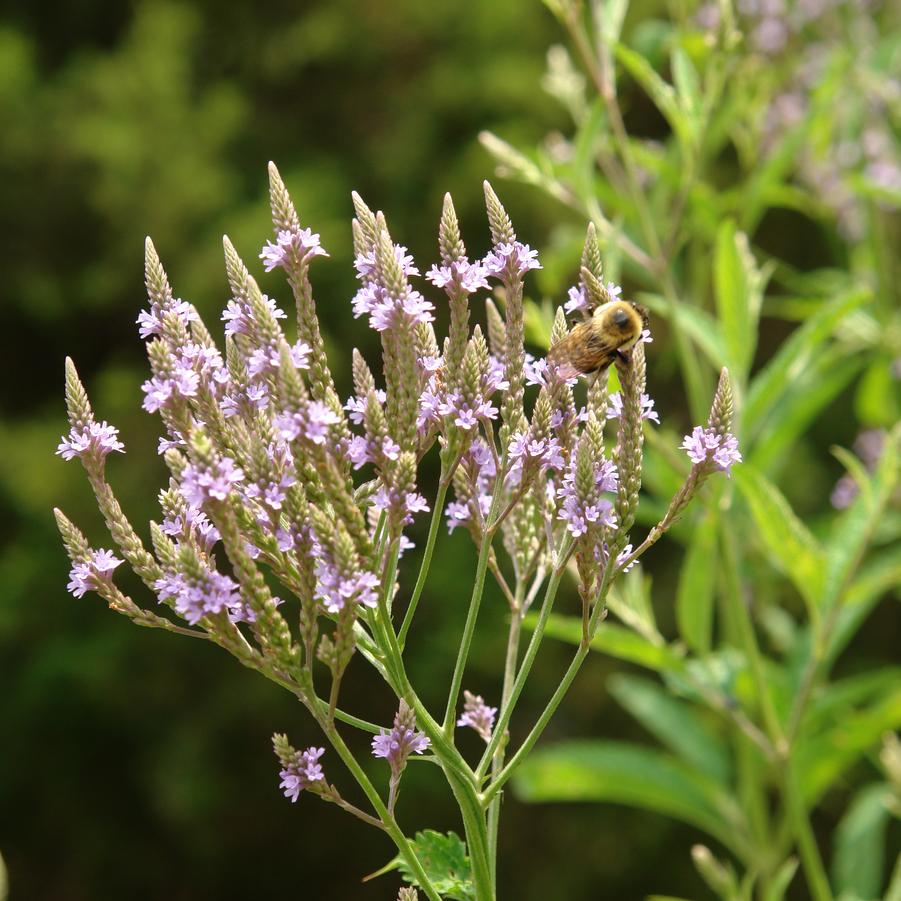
x=140 y=766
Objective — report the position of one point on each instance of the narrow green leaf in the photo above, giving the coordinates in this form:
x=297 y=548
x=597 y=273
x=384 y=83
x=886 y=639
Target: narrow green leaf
x=854 y=529
x=610 y=15
x=860 y=843
x=738 y=293
x=614 y=640
x=662 y=94
x=782 y=880
x=688 y=90
x=695 y=591
x=625 y=773
x=674 y=723
x=793 y=412
x=794 y=356
x=792 y=547
x=880 y=574
x=823 y=758
x=894 y=886
x=699 y=325
x=630 y=601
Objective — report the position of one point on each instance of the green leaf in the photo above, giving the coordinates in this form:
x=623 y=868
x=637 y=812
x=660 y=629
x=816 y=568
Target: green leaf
x=876 y=402
x=880 y=574
x=688 y=90
x=855 y=527
x=894 y=886
x=616 y=641
x=860 y=843
x=782 y=880
x=795 y=355
x=792 y=413
x=792 y=547
x=823 y=758
x=611 y=14
x=662 y=94
x=739 y=292
x=674 y=723
x=625 y=773
x=699 y=325
x=630 y=600
x=444 y=859
x=695 y=591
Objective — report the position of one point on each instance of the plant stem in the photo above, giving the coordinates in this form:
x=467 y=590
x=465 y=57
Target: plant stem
x=531 y=652
x=437 y=513
x=510 y=659
x=390 y=824
x=473 y=613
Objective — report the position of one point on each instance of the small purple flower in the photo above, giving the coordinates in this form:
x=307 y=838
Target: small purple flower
x=90 y=574
x=477 y=715
x=294 y=244
x=366 y=266
x=200 y=481
x=151 y=321
x=195 y=596
x=94 y=440
x=160 y=391
x=311 y=422
x=615 y=407
x=507 y=259
x=582 y=512
x=401 y=741
x=401 y=505
x=705 y=446
x=300 y=772
x=460 y=276
x=193 y=525
x=336 y=587
x=239 y=319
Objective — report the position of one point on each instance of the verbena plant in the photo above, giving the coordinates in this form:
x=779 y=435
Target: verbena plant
x=264 y=491
x=795 y=106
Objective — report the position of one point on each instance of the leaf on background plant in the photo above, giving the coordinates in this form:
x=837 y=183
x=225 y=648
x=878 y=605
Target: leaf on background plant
x=782 y=880
x=849 y=693
x=739 y=292
x=791 y=546
x=444 y=859
x=792 y=413
x=823 y=758
x=695 y=591
x=698 y=324
x=630 y=601
x=894 y=886
x=876 y=401
x=688 y=90
x=795 y=355
x=878 y=575
x=674 y=723
x=613 y=640
x=859 y=858
x=855 y=527
x=662 y=94
x=610 y=15
x=625 y=773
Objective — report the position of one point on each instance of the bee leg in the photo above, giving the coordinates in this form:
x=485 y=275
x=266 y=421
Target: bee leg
x=623 y=355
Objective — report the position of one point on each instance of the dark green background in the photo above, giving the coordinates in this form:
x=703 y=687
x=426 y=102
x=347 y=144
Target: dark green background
x=135 y=764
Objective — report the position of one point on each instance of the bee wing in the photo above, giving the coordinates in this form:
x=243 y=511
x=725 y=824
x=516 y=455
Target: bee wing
x=583 y=350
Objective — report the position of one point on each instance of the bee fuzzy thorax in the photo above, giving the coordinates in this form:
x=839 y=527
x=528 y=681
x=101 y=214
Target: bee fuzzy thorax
x=591 y=346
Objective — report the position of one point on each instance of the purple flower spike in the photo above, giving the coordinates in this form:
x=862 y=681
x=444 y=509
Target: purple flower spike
x=89 y=574
x=200 y=481
x=402 y=741
x=95 y=440
x=477 y=715
x=515 y=258
x=615 y=407
x=195 y=596
x=301 y=772
x=296 y=244
x=705 y=446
